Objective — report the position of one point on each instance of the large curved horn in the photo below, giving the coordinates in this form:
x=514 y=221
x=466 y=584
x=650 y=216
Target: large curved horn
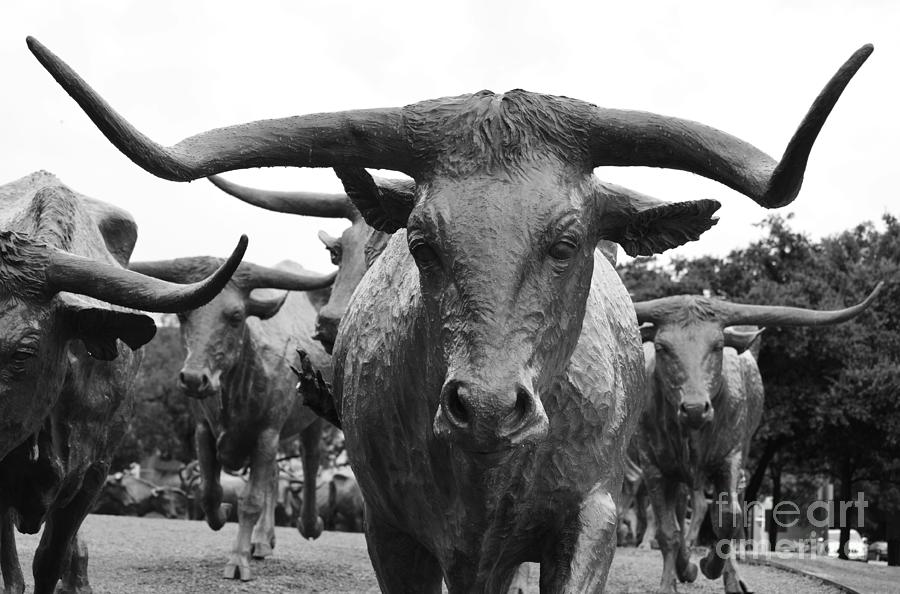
x=734 y=314
x=262 y=277
x=651 y=311
x=311 y=204
x=644 y=139
x=362 y=138
x=75 y=274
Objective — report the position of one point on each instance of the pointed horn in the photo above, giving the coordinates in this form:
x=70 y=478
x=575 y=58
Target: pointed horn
x=765 y=315
x=648 y=312
x=119 y=286
x=363 y=138
x=632 y=138
x=262 y=277
x=311 y=204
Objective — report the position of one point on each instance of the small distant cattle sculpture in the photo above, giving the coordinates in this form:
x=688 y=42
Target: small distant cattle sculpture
x=704 y=402
x=126 y=495
x=243 y=401
x=66 y=362
x=488 y=372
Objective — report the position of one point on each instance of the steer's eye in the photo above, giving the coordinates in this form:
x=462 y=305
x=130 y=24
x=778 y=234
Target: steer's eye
x=424 y=255
x=19 y=358
x=335 y=255
x=563 y=249
x=23 y=355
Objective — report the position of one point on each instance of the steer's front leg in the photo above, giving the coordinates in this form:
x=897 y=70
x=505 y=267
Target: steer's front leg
x=676 y=559
x=211 y=491
x=13 y=580
x=251 y=503
x=310 y=524
x=53 y=558
x=728 y=523
x=584 y=566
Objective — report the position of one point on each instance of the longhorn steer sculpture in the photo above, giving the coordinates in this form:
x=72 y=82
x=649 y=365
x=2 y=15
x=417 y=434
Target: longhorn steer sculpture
x=65 y=378
x=704 y=402
x=488 y=371
x=237 y=373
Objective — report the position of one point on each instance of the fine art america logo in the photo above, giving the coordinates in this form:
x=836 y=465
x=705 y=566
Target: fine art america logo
x=819 y=516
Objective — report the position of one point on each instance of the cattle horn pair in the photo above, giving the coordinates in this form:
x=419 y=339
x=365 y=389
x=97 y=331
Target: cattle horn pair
x=130 y=288
x=735 y=314
x=382 y=139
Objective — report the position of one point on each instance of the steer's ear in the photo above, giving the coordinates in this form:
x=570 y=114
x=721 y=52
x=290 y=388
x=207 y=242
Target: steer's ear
x=384 y=203
x=648 y=332
x=644 y=226
x=265 y=308
x=742 y=338
x=99 y=328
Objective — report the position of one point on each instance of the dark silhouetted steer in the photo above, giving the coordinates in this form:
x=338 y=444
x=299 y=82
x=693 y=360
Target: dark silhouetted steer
x=66 y=362
x=704 y=402
x=488 y=371
x=237 y=373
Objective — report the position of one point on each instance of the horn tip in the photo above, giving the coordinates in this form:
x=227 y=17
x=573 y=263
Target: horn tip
x=33 y=44
x=242 y=243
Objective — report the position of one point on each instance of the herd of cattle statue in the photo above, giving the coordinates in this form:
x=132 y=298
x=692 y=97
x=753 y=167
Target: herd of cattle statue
x=476 y=344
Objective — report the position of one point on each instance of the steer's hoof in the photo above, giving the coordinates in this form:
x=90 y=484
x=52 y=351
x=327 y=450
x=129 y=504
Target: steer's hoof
x=260 y=550
x=708 y=570
x=237 y=569
x=312 y=533
x=744 y=588
x=689 y=575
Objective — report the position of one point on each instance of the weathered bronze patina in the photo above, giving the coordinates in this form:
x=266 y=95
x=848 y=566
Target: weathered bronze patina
x=704 y=402
x=66 y=362
x=488 y=371
x=237 y=373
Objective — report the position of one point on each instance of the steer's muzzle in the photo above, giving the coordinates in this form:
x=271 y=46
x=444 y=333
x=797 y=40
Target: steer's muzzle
x=696 y=416
x=484 y=421
x=196 y=383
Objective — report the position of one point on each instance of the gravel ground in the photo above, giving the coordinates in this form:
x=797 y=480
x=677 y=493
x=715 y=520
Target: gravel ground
x=155 y=556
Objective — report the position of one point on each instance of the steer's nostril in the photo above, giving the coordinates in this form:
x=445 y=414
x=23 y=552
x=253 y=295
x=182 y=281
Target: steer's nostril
x=524 y=404
x=455 y=406
x=683 y=409
x=706 y=408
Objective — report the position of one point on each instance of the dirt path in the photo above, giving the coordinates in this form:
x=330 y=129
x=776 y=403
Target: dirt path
x=153 y=556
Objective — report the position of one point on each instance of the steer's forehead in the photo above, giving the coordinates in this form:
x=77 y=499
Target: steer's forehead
x=489 y=131
x=483 y=201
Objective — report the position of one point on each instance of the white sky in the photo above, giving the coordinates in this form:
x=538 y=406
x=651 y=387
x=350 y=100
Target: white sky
x=175 y=68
